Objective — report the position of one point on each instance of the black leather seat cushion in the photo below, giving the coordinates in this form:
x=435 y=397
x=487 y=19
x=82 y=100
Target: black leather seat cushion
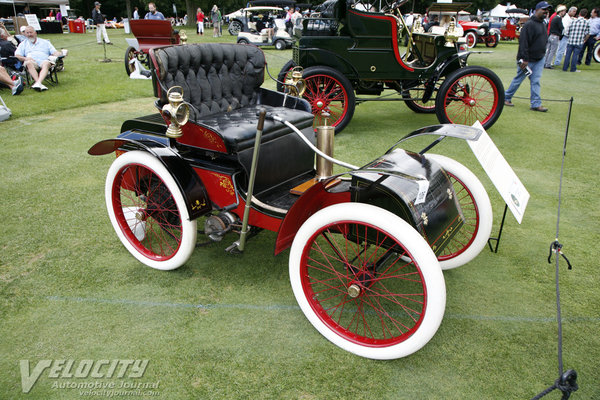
x=238 y=128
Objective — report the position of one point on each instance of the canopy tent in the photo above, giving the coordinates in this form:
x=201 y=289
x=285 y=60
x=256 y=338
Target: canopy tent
x=509 y=10
x=34 y=3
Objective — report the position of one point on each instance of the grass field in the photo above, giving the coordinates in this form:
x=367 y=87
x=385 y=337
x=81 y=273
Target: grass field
x=228 y=327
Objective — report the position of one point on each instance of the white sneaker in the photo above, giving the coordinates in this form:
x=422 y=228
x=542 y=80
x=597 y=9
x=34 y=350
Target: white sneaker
x=37 y=86
x=42 y=87
x=17 y=86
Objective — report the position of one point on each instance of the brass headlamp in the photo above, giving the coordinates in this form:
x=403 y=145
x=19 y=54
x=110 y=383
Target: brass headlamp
x=177 y=111
x=297 y=86
x=452 y=34
x=417 y=27
x=183 y=37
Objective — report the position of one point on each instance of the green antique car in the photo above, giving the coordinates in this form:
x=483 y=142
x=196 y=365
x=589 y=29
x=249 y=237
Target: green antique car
x=350 y=49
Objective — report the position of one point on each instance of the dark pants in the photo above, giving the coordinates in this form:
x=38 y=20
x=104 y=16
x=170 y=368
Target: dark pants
x=571 y=56
x=589 y=45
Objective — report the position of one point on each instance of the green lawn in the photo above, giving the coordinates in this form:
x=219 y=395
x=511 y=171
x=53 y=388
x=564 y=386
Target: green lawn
x=228 y=327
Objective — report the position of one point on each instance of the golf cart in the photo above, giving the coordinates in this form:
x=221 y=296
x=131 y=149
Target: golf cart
x=262 y=26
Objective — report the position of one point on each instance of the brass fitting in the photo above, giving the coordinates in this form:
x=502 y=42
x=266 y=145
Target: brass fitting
x=325 y=135
x=297 y=84
x=183 y=37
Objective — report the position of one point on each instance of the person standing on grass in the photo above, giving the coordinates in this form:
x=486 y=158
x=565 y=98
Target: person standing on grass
x=200 y=21
x=578 y=33
x=530 y=57
x=214 y=18
x=555 y=34
x=136 y=13
x=99 y=22
x=154 y=13
x=594 y=24
x=562 y=46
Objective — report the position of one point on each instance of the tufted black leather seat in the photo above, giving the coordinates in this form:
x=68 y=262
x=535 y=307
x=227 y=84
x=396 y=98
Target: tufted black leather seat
x=222 y=83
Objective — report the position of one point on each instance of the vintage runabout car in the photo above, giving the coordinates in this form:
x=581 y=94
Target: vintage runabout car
x=478 y=32
x=148 y=34
x=347 y=52
x=367 y=247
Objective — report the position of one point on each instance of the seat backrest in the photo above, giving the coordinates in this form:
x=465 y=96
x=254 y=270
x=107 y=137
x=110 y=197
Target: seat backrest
x=151 y=28
x=215 y=77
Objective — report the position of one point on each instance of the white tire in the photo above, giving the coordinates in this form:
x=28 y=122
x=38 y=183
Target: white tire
x=383 y=300
x=476 y=208
x=471 y=39
x=148 y=211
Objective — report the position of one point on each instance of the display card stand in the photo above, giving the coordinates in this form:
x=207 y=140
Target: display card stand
x=497 y=239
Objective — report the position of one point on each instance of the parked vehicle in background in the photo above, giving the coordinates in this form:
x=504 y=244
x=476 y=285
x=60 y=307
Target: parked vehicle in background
x=347 y=52
x=478 y=32
x=262 y=26
x=149 y=33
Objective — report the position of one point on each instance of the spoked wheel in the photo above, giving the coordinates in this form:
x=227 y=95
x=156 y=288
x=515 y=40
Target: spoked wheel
x=492 y=40
x=148 y=212
x=285 y=74
x=242 y=41
x=476 y=209
x=470 y=94
x=330 y=91
x=367 y=281
x=471 y=39
x=597 y=52
x=130 y=54
x=417 y=105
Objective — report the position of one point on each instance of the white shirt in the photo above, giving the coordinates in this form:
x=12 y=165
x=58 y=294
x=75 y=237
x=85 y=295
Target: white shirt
x=566 y=22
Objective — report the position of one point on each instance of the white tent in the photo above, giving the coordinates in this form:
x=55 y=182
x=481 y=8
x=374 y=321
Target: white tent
x=500 y=11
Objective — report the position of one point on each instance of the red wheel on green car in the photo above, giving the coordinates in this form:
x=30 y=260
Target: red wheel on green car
x=148 y=212
x=327 y=90
x=470 y=94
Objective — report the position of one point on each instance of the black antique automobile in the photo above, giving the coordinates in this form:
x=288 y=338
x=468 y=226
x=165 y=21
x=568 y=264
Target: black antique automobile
x=346 y=50
x=367 y=247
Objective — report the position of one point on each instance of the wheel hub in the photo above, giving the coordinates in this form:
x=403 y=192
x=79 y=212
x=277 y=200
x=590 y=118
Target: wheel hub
x=353 y=290
x=140 y=215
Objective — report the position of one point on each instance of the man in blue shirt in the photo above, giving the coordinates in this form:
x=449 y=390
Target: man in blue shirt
x=153 y=14
x=34 y=53
x=594 y=24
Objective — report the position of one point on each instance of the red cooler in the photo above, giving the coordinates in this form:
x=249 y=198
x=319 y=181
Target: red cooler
x=76 y=26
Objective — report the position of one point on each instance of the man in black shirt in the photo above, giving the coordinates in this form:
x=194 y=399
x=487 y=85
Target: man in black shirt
x=556 y=33
x=530 y=57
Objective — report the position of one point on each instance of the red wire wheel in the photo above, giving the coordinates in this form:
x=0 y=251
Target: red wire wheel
x=367 y=281
x=470 y=94
x=148 y=211
x=476 y=209
x=327 y=90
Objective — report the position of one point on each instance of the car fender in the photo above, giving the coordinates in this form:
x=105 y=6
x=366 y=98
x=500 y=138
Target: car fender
x=314 y=199
x=407 y=184
x=190 y=184
x=322 y=57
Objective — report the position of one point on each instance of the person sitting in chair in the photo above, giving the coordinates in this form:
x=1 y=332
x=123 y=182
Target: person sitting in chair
x=34 y=53
x=15 y=86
